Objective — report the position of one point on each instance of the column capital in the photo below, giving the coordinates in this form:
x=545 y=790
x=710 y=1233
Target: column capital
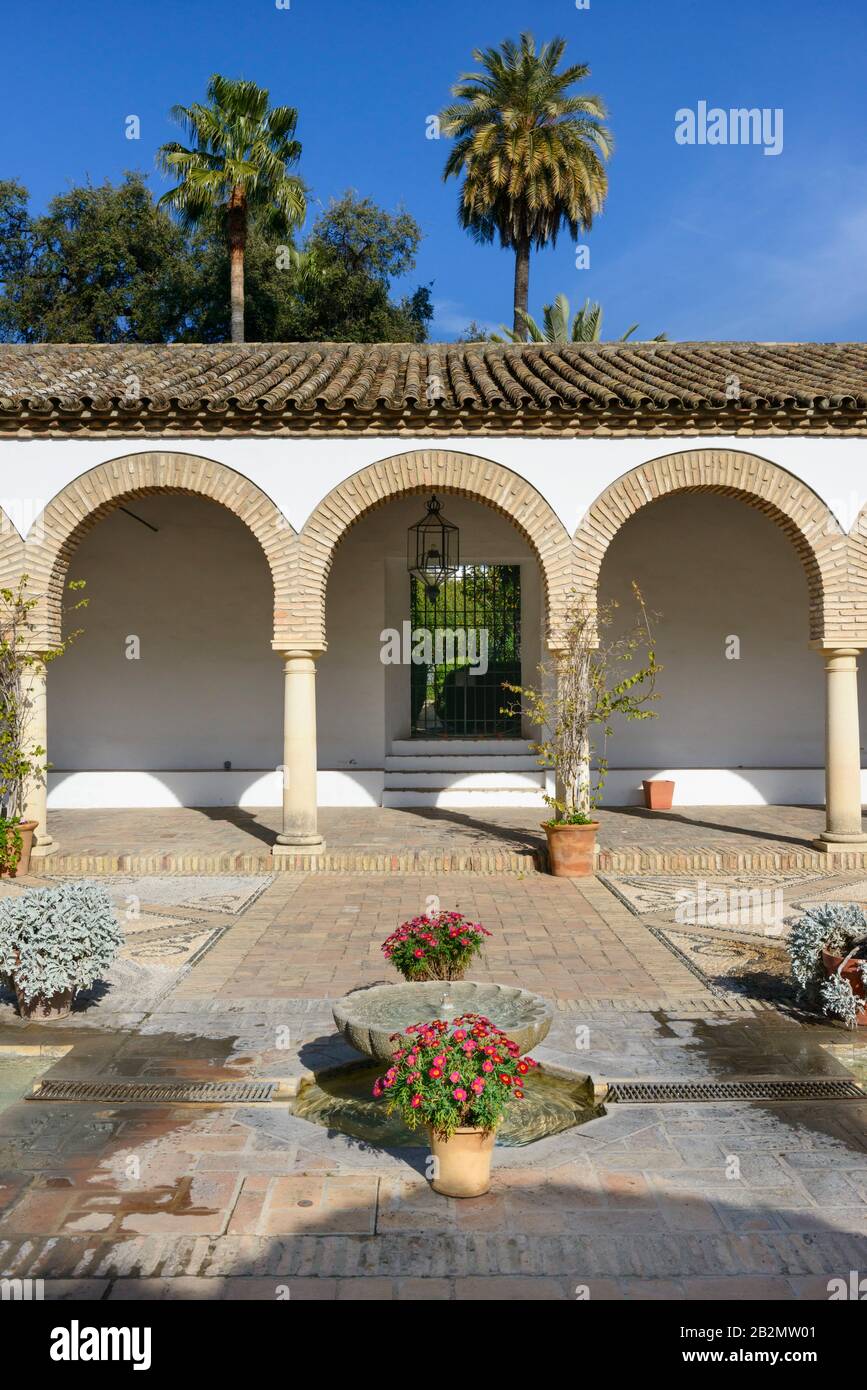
x=826 y=644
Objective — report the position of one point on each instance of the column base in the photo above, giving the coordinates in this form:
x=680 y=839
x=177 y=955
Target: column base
x=834 y=842
x=44 y=850
x=287 y=851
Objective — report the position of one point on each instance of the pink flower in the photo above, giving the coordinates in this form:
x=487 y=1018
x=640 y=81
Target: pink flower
x=478 y=1085
x=487 y=1065
x=439 y=1061
x=459 y=1093
x=418 y=953
x=416 y=1101
x=454 y=1076
x=434 y=1073
x=469 y=1046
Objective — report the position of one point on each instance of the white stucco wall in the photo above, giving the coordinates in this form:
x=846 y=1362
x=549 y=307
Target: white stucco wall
x=297 y=473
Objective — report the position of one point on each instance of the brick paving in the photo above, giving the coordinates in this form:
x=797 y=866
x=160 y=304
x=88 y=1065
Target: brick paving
x=321 y=935
x=227 y=840
x=683 y=1201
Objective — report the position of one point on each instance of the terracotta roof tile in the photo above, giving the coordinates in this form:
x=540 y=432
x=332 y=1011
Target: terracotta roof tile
x=383 y=386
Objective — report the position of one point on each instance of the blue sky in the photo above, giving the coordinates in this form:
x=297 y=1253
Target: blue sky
x=702 y=241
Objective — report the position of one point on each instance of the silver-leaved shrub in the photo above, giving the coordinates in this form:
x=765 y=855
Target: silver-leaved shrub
x=54 y=939
x=840 y=928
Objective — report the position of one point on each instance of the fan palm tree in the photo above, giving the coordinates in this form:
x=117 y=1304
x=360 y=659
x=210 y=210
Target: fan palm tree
x=586 y=327
x=238 y=165
x=530 y=150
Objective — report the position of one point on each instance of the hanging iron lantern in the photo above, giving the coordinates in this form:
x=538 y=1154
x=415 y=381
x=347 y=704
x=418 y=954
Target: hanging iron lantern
x=432 y=552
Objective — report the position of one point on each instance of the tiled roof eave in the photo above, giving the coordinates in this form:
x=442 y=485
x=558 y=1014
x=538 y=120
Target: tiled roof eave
x=234 y=419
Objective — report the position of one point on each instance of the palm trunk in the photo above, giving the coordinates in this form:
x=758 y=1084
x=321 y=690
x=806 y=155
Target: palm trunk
x=237 y=246
x=522 y=287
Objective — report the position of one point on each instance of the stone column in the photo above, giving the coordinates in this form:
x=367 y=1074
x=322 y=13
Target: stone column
x=842 y=754
x=36 y=791
x=299 y=834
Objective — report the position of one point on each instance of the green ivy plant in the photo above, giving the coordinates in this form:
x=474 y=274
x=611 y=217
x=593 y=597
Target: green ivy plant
x=840 y=928
x=57 y=939
x=595 y=676
x=22 y=655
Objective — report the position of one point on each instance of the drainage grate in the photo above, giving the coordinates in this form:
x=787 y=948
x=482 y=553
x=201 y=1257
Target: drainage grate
x=163 y=1092
x=666 y=1092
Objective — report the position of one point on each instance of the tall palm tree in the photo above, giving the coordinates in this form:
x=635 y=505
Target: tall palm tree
x=239 y=162
x=530 y=151
x=586 y=327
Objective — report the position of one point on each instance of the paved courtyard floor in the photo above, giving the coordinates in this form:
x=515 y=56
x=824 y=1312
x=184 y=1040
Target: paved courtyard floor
x=231 y=977
x=226 y=839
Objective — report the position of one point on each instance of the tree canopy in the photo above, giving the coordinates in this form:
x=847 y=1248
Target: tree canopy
x=106 y=264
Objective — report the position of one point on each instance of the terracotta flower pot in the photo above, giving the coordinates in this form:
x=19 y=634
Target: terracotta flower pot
x=26 y=829
x=462 y=1164
x=45 y=1008
x=658 y=794
x=852 y=973
x=571 y=849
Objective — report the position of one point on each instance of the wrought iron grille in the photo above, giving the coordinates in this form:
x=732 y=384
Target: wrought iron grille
x=472 y=635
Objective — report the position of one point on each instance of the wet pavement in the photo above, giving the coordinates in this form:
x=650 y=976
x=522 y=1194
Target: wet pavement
x=680 y=1200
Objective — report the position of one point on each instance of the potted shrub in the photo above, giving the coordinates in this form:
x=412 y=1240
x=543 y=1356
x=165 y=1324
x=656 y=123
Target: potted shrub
x=22 y=757
x=574 y=705
x=828 y=951
x=54 y=942
x=439 y=946
x=457 y=1079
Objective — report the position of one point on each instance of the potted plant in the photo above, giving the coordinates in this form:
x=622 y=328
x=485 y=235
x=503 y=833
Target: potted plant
x=828 y=951
x=577 y=699
x=22 y=758
x=54 y=942
x=439 y=946
x=457 y=1079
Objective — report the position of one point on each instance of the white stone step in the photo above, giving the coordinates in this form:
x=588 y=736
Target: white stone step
x=472 y=762
x=465 y=800
x=464 y=779
x=460 y=747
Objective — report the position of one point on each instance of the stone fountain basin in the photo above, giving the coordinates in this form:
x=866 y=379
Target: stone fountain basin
x=367 y=1018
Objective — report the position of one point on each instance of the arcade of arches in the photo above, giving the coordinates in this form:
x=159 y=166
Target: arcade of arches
x=197 y=564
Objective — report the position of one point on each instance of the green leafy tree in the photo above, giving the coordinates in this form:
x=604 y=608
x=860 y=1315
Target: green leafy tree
x=103 y=265
x=586 y=327
x=531 y=151
x=354 y=251
x=238 y=165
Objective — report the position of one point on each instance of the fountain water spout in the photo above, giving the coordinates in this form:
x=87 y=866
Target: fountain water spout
x=448 y=1008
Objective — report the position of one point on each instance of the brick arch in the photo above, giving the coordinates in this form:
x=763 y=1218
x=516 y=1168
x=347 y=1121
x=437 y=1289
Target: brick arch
x=93 y=495
x=804 y=517
x=427 y=470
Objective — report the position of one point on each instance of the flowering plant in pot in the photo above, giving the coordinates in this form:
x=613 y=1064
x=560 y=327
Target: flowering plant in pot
x=54 y=942
x=594 y=678
x=23 y=659
x=438 y=946
x=828 y=951
x=457 y=1079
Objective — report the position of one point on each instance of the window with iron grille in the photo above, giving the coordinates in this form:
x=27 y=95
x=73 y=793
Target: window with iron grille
x=474 y=626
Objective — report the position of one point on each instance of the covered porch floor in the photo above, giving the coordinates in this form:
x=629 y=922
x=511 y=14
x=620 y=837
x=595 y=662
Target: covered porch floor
x=631 y=839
